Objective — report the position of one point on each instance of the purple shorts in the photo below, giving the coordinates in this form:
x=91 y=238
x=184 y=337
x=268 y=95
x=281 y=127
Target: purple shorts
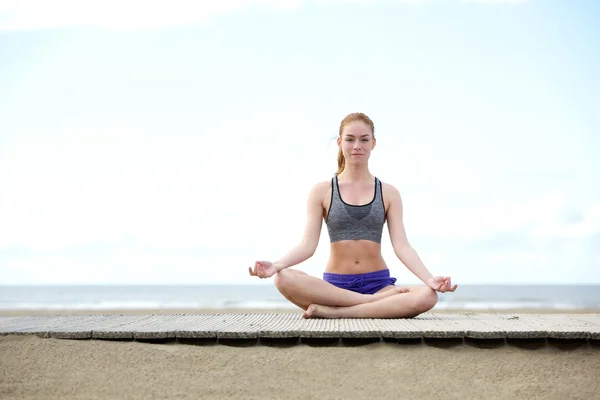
x=368 y=283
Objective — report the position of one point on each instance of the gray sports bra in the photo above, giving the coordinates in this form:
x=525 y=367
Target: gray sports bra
x=350 y=222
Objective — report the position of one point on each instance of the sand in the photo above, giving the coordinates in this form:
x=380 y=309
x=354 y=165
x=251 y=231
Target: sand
x=38 y=368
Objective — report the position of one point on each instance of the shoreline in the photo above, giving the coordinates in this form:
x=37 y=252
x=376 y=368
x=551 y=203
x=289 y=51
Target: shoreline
x=141 y=311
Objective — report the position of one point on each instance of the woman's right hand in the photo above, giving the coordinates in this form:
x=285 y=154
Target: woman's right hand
x=263 y=269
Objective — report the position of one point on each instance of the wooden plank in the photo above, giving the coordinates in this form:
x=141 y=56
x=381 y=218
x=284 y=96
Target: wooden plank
x=397 y=329
x=561 y=326
x=123 y=327
x=10 y=321
x=245 y=326
x=81 y=326
x=593 y=323
x=12 y=325
x=320 y=328
x=286 y=325
x=474 y=326
x=282 y=326
x=201 y=326
x=34 y=325
x=592 y=318
x=157 y=326
x=358 y=328
x=435 y=326
x=511 y=325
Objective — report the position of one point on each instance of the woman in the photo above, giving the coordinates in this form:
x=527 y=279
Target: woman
x=355 y=205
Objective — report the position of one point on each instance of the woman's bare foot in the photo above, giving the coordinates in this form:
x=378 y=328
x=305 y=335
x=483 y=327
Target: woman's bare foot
x=319 y=311
x=391 y=292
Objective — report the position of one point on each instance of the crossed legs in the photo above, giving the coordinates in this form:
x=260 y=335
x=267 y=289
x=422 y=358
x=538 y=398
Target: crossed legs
x=321 y=299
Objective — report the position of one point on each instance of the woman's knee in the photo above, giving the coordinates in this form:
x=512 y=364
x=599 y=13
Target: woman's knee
x=284 y=279
x=425 y=299
x=428 y=298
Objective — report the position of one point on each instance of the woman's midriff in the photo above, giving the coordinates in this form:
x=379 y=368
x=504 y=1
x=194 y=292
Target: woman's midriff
x=355 y=257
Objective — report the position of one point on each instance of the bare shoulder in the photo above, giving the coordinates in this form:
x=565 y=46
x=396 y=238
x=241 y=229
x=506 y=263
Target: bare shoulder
x=390 y=192
x=321 y=188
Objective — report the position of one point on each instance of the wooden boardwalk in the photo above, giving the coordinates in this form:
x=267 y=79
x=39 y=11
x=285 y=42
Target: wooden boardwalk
x=290 y=326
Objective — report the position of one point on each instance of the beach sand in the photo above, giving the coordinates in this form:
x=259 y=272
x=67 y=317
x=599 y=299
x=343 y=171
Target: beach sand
x=38 y=368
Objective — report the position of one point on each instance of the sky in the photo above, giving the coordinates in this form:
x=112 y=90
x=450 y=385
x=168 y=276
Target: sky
x=176 y=143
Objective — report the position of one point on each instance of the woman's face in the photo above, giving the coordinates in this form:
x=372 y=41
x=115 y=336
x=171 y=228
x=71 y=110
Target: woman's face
x=356 y=142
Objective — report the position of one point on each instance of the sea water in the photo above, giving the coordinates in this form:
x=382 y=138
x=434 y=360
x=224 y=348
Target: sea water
x=263 y=296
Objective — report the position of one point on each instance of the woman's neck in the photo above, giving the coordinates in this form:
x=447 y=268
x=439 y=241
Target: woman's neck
x=355 y=174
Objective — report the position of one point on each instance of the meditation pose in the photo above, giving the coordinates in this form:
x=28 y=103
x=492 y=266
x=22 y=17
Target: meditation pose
x=355 y=205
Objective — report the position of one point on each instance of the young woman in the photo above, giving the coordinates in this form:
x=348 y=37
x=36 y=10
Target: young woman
x=354 y=205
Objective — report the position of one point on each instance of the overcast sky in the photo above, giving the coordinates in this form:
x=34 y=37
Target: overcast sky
x=177 y=144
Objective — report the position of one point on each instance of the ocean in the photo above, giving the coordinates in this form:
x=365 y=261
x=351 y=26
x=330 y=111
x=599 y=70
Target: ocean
x=105 y=297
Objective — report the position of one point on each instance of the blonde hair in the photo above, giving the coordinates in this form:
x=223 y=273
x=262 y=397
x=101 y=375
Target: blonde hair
x=348 y=119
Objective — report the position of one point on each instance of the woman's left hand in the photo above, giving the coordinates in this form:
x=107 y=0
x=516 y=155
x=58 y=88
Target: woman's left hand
x=441 y=284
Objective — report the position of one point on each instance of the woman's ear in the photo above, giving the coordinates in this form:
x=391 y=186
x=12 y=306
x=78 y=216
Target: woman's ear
x=374 y=143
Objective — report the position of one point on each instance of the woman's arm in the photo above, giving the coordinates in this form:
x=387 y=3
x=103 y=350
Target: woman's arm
x=312 y=231
x=404 y=250
x=402 y=247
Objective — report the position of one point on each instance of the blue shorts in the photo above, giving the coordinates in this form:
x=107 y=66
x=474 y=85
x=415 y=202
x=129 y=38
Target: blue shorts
x=368 y=283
